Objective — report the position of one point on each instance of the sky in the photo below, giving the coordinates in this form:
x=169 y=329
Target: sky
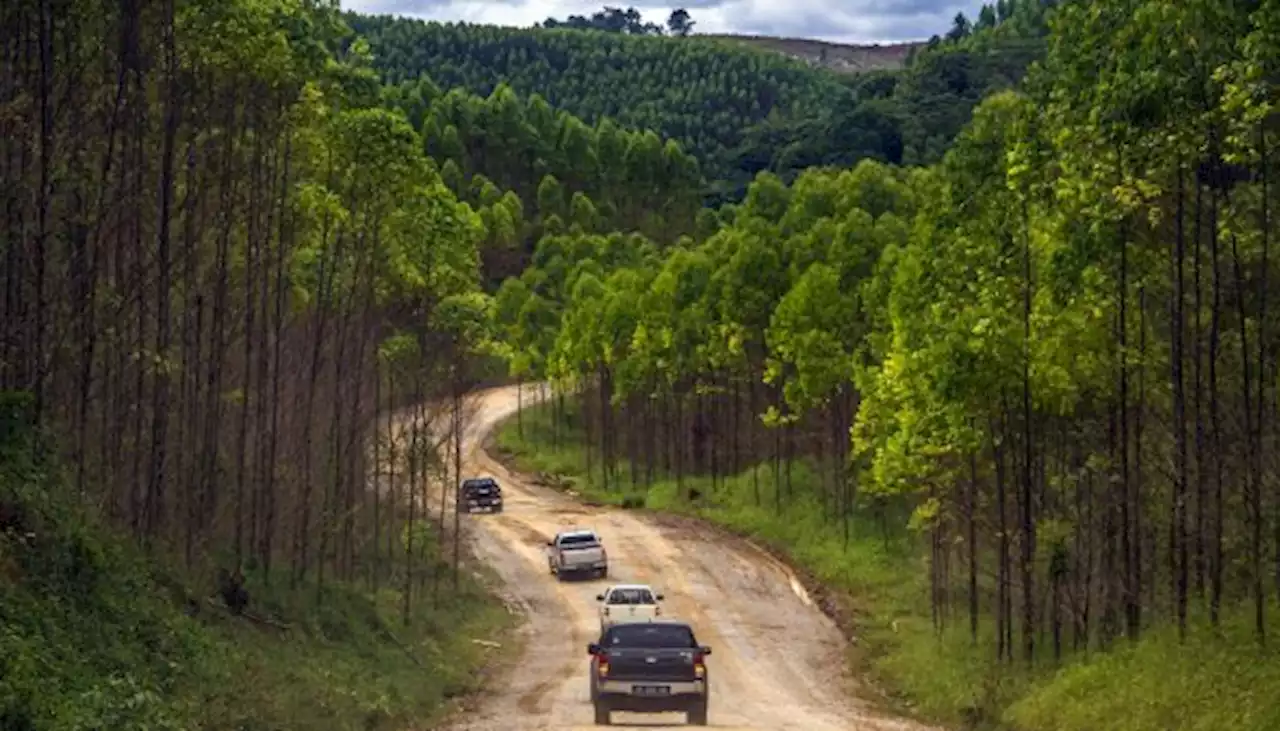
x=841 y=21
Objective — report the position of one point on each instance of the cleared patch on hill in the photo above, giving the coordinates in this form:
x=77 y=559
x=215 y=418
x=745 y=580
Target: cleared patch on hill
x=838 y=57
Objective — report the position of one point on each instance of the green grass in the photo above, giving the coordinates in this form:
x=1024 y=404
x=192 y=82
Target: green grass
x=1156 y=684
x=93 y=635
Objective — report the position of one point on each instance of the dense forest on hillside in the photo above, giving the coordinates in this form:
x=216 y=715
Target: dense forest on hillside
x=169 y=272
x=1055 y=347
x=737 y=110
x=221 y=257
x=531 y=169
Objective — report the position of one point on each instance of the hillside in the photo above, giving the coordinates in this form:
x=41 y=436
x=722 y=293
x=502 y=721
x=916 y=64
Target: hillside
x=738 y=108
x=838 y=57
x=705 y=94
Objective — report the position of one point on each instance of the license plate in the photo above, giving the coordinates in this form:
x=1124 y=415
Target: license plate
x=651 y=690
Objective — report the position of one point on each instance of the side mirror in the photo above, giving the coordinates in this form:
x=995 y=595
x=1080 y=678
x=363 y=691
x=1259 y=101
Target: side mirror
x=593 y=649
x=705 y=650
x=660 y=597
x=551 y=543
x=599 y=597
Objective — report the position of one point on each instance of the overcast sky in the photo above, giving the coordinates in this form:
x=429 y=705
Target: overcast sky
x=849 y=21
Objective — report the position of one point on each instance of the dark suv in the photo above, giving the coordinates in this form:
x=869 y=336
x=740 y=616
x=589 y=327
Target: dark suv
x=482 y=493
x=649 y=667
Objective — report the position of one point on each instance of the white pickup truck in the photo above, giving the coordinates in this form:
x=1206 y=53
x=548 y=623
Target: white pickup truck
x=628 y=603
x=576 y=552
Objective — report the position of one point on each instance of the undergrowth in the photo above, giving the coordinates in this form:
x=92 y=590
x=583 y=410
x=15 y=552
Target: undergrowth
x=96 y=635
x=881 y=575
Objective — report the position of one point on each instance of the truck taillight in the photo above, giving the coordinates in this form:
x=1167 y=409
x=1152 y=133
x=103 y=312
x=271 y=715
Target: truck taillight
x=699 y=667
x=602 y=665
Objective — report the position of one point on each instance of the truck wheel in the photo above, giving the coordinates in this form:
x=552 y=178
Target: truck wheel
x=602 y=715
x=604 y=572
x=698 y=715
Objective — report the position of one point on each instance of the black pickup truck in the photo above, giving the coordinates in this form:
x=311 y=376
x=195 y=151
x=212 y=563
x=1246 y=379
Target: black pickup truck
x=649 y=667
x=482 y=492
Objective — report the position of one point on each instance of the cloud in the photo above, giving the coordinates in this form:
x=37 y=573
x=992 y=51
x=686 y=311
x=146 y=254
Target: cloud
x=848 y=21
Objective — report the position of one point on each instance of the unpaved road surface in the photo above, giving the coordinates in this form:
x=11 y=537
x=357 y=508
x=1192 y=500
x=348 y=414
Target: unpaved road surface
x=777 y=662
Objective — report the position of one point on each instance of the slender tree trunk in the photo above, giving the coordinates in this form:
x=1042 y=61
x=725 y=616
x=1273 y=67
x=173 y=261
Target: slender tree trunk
x=160 y=402
x=1135 y=608
x=1178 y=530
x=1002 y=580
x=1028 y=513
x=972 y=539
x=456 y=486
x=269 y=526
x=413 y=477
x=1216 y=557
x=1252 y=481
x=246 y=374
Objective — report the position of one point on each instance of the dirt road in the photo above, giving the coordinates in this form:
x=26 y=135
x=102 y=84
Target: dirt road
x=777 y=662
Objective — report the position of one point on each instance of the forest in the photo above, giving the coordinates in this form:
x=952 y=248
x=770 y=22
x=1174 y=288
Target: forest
x=532 y=170
x=629 y=21
x=1050 y=358
x=999 y=318
x=222 y=258
x=738 y=110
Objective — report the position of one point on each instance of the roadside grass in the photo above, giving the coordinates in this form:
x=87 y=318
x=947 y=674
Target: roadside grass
x=96 y=635
x=879 y=581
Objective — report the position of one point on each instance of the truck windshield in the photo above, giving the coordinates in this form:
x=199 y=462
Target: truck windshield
x=650 y=636
x=631 y=596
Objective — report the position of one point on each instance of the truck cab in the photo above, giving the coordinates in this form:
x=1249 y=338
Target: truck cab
x=628 y=603
x=577 y=552
x=653 y=666
x=482 y=493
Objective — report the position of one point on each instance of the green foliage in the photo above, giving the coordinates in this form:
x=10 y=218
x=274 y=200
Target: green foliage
x=708 y=95
x=737 y=110
x=1211 y=681
x=1049 y=357
x=95 y=635
x=293 y=262
x=610 y=20
x=504 y=152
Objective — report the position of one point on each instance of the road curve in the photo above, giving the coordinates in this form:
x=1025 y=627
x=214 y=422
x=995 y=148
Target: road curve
x=778 y=662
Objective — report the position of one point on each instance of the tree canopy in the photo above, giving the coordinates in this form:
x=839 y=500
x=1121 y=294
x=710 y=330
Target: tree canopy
x=736 y=110
x=1054 y=344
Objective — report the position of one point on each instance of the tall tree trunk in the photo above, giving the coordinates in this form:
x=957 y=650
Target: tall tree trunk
x=246 y=373
x=1002 y=578
x=164 y=336
x=1028 y=514
x=971 y=509
x=456 y=486
x=269 y=521
x=1252 y=481
x=1215 y=422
